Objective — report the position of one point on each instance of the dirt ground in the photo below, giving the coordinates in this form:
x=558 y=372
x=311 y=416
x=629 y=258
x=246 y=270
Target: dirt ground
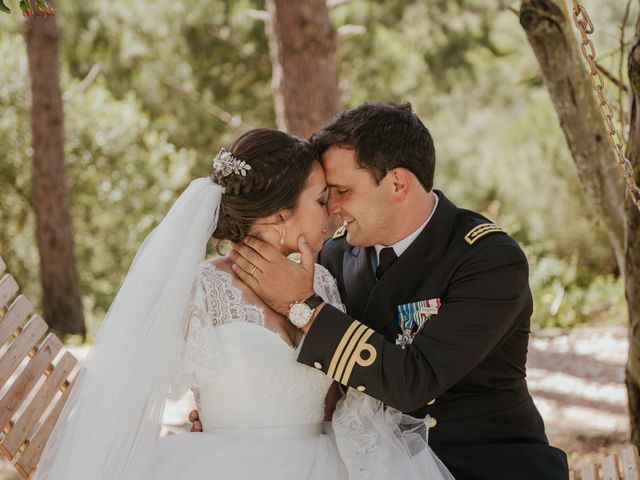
x=576 y=378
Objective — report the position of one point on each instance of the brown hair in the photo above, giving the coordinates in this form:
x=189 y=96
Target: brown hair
x=280 y=165
x=384 y=136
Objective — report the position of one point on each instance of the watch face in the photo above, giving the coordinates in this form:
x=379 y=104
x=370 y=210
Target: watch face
x=299 y=314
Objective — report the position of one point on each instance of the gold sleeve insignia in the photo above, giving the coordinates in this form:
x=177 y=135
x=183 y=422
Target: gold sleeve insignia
x=349 y=352
x=340 y=232
x=479 y=231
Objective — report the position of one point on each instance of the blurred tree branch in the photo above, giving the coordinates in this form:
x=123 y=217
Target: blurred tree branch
x=232 y=120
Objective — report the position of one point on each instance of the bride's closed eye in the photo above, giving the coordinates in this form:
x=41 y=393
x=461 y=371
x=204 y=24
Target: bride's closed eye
x=324 y=199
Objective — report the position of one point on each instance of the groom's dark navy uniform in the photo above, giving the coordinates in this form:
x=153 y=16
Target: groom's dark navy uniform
x=465 y=367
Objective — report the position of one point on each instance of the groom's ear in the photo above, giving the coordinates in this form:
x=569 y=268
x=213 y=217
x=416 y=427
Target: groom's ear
x=400 y=182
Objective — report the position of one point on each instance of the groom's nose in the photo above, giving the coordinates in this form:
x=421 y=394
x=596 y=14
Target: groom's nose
x=333 y=205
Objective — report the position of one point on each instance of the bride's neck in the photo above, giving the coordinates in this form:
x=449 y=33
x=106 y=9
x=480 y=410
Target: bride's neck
x=271 y=237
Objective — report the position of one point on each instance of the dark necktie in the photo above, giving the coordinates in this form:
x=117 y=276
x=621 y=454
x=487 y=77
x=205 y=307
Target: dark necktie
x=386 y=259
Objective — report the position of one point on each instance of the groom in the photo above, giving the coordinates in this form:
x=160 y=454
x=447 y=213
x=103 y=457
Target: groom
x=437 y=300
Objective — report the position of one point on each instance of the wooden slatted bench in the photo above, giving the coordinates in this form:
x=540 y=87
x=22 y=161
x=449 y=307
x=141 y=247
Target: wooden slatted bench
x=36 y=376
x=625 y=466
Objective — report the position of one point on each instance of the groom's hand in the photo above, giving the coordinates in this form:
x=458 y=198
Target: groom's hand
x=278 y=281
x=194 y=418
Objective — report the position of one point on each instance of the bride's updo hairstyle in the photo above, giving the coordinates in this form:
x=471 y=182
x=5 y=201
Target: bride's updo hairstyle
x=280 y=165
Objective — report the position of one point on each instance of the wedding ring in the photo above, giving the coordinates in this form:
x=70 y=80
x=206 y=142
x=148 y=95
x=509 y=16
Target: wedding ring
x=253 y=270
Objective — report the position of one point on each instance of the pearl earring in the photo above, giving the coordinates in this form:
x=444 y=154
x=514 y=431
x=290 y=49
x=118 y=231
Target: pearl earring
x=282 y=235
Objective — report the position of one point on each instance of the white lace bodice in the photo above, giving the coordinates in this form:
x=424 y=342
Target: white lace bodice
x=245 y=375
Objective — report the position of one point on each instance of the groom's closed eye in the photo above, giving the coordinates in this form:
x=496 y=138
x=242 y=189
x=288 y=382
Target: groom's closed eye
x=340 y=189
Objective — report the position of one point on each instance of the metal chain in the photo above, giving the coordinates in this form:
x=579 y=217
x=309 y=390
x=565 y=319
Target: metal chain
x=585 y=26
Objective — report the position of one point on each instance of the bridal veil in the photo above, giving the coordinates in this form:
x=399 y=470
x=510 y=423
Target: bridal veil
x=114 y=413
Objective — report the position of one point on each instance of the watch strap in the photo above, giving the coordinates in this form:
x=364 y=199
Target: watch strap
x=313 y=301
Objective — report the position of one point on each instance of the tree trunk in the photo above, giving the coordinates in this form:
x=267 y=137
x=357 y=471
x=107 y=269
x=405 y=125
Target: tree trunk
x=61 y=293
x=548 y=30
x=302 y=44
x=632 y=268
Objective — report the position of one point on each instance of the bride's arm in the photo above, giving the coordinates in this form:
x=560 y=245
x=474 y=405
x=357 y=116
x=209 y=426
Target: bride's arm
x=325 y=285
x=333 y=395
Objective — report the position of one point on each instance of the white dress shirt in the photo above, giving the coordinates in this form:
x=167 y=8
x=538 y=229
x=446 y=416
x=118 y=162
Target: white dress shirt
x=402 y=245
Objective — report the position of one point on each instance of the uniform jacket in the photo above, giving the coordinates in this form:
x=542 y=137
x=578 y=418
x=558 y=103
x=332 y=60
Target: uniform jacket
x=465 y=367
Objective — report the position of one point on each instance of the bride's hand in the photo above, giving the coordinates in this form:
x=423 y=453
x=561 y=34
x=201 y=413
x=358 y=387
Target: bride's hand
x=278 y=281
x=194 y=418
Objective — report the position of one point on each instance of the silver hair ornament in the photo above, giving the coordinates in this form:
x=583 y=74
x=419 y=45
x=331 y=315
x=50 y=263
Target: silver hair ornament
x=226 y=164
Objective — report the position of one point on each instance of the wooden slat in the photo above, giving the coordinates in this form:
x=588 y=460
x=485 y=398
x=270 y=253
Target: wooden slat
x=31 y=455
x=8 y=289
x=26 y=423
x=589 y=472
x=18 y=311
x=610 y=470
x=28 y=378
x=21 y=346
x=630 y=463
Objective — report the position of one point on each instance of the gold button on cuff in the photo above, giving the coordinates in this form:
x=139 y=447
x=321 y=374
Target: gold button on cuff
x=431 y=402
x=361 y=388
x=318 y=365
x=432 y=422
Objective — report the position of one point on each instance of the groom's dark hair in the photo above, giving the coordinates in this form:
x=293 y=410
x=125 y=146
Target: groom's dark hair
x=383 y=136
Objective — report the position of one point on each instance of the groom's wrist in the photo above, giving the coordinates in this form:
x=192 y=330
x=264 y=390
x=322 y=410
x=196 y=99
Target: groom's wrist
x=316 y=311
x=301 y=312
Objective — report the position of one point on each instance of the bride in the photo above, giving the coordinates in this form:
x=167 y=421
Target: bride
x=181 y=323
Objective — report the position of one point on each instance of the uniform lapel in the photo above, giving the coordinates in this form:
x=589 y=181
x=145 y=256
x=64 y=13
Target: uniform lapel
x=358 y=279
x=401 y=282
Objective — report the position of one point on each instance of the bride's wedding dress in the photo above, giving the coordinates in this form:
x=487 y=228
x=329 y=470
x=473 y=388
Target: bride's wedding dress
x=262 y=411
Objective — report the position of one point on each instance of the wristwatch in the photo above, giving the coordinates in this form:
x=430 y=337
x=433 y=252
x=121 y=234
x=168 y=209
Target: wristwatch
x=300 y=313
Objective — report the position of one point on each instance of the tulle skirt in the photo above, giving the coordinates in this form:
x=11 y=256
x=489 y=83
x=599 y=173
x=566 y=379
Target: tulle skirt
x=364 y=442
x=284 y=453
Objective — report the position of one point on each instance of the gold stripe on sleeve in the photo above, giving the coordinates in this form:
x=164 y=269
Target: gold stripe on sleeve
x=340 y=347
x=357 y=358
x=346 y=354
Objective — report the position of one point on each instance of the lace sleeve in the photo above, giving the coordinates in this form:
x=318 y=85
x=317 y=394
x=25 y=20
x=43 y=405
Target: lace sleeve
x=215 y=301
x=325 y=285
x=199 y=315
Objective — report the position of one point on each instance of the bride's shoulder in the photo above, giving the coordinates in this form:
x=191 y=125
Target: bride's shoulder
x=322 y=272
x=216 y=270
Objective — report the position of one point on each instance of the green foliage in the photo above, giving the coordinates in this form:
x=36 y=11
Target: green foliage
x=123 y=176
x=566 y=295
x=42 y=7
x=201 y=69
x=17 y=242
x=153 y=89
